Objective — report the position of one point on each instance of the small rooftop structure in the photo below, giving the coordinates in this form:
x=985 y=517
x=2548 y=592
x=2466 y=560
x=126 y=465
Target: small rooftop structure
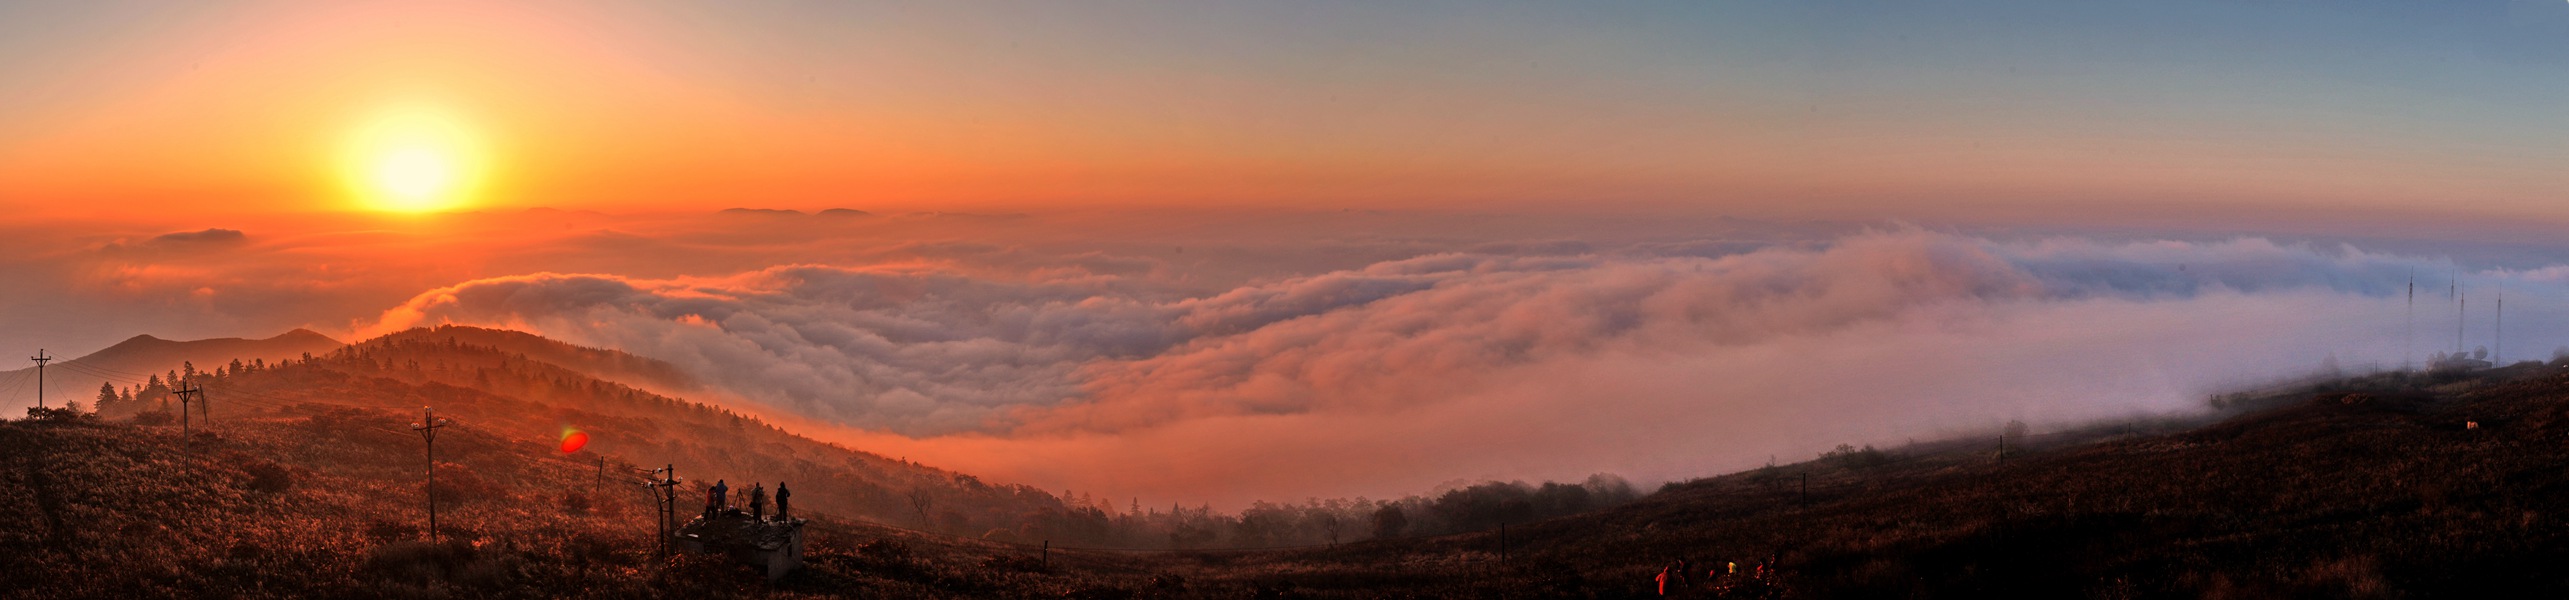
x=775 y=545
x=2459 y=362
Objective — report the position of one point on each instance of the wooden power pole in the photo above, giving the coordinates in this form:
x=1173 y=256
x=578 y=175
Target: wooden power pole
x=427 y=427
x=41 y=358
x=664 y=492
x=187 y=393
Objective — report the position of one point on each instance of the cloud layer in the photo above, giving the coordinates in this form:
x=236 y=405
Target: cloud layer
x=1539 y=360
x=1226 y=356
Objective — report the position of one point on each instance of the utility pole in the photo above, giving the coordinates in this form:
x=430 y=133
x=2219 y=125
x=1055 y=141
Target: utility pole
x=41 y=358
x=201 y=403
x=187 y=392
x=666 y=496
x=427 y=427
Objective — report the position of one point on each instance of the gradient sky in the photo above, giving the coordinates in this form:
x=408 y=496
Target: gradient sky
x=1138 y=248
x=2049 y=110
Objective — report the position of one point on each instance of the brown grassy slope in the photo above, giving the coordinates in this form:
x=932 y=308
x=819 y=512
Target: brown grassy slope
x=286 y=507
x=2371 y=489
x=329 y=505
x=514 y=396
x=2378 y=495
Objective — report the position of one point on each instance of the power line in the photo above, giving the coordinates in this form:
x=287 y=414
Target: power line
x=103 y=373
x=17 y=383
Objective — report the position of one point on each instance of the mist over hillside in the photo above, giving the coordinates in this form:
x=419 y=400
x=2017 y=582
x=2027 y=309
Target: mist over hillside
x=302 y=480
x=1658 y=358
x=517 y=391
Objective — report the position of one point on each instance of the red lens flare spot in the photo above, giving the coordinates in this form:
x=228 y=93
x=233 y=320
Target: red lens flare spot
x=573 y=440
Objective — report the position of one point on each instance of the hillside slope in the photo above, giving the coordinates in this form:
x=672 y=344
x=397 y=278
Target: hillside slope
x=608 y=365
x=2378 y=487
x=508 y=392
x=307 y=484
x=77 y=378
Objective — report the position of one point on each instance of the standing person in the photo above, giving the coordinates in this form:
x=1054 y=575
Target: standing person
x=781 y=507
x=758 y=501
x=716 y=498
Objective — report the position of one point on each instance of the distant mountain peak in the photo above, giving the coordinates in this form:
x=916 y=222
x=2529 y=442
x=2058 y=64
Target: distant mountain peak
x=763 y=212
x=300 y=334
x=138 y=358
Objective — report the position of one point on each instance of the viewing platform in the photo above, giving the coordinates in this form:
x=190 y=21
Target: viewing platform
x=772 y=544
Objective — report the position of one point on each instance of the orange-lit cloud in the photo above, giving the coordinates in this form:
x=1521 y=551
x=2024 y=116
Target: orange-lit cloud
x=1658 y=360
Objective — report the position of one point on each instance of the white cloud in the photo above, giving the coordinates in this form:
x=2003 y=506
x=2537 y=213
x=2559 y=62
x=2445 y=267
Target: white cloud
x=1474 y=364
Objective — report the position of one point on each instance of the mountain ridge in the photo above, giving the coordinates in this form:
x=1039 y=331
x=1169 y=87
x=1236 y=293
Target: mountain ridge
x=77 y=378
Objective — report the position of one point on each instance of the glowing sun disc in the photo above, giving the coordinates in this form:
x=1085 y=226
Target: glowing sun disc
x=412 y=160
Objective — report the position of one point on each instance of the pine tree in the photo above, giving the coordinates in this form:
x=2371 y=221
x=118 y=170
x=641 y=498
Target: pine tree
x=107 y=398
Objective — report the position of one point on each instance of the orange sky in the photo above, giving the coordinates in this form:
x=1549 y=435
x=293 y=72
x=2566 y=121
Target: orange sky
x=249 y=107
x=2032 y=209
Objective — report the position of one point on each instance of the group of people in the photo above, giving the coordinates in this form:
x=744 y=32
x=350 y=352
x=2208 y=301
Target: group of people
x=1721 y=578
x=718 y=498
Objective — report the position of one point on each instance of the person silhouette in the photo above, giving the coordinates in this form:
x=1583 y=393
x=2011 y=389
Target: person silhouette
x=715 y=498
x=781 y=506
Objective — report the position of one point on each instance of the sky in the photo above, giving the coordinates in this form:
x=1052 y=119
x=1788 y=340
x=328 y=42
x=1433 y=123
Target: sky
x=1219 y=252
x=1982 y=109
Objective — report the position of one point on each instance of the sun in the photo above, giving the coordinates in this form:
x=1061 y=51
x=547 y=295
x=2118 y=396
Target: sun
x=412 y=160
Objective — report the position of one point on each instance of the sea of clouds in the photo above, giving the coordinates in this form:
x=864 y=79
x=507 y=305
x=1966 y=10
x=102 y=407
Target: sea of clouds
x=1225 y=356
x=1660 y=360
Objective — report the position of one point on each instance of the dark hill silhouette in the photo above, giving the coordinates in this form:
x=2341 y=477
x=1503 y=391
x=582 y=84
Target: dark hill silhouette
x=77 y=379
x=2381 y=486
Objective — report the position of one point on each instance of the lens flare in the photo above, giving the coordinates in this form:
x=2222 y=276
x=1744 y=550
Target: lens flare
x=573 y=439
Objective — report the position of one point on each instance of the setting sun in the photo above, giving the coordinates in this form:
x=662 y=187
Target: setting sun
x=413 y=160
x=1641 y=299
